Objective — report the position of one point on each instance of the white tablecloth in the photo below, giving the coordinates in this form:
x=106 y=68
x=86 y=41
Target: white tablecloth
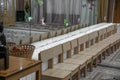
x=48 y=43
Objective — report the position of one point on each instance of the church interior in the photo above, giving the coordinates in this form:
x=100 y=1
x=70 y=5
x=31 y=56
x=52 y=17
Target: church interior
x=59 y=39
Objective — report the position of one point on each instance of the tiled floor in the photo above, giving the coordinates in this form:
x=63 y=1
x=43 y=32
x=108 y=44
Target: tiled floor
x=109 y=69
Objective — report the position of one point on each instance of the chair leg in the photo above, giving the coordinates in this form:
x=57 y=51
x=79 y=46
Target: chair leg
x=91 y=66
x=103 y=55
x=78 y=75
x=85 y=71
x=100 y=58
x=95 y=63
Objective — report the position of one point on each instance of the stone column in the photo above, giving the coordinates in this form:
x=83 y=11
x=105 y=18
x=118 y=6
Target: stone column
x=102 y=10
x=99 y=11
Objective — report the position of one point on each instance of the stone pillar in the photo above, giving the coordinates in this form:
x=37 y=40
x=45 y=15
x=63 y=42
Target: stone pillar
x=102 y=10
x=5 y=20
x=99 y=11
x=9 y=15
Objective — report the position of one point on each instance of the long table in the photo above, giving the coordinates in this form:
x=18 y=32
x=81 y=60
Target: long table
x=48 y=43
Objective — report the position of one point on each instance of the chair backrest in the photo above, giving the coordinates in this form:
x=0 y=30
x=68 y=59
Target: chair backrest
x=93 y=37
x=68 y=29
x=72 y=28
x=115 y=29
x=64 y=31
x=35 y=38
x=79 y=26
x=66 y=49
x=59 y=32
x=83 y=42
x=25 y=40
x=49 y=54
x=74 y=45
x=110 y=29
x=76 y=27
x=102 y=34
x=44 y=36
x=52 y=34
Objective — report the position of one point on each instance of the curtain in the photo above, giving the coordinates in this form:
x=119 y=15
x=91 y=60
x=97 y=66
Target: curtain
x=58 y=10
x=36 y=11
x=74 y=11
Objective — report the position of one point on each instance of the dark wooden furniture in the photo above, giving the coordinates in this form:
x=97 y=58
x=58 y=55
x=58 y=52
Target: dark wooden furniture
x=20 y=67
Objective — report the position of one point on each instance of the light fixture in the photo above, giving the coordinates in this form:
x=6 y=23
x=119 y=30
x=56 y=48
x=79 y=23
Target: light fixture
x=2 y=4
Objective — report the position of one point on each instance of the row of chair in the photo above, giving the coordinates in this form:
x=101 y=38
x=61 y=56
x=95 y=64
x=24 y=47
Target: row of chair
x=26 y=39
x=75 y=57
x=47 y=35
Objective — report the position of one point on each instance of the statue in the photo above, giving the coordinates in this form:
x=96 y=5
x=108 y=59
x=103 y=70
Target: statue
x=27 y=12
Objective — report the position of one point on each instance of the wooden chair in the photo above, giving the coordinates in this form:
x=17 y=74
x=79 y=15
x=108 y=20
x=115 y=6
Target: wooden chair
x=87 y=39
x=24 y=51
x=74 y=68
x=53 y=73
x=115 y=29
x=72 y=28
x=25 y=40
x=59 y=32
x=83 y=41
x=77 y=27
x=93 y=37
x=44 y=36
x=87 y=60
x=65 y=31
x=110 y=29
x=68 y=29
x=35 y=38
x=81 y=61
x=102 y=34
x=52 y=34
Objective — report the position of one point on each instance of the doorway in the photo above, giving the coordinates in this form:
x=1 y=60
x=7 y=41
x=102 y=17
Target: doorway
x=117 y=11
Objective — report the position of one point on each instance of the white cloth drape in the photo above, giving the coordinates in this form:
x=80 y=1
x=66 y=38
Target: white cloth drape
x=55 y=11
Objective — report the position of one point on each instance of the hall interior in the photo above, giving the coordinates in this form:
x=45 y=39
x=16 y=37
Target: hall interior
x=60 y=39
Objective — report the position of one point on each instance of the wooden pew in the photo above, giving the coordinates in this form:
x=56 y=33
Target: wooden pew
x=74 y=68
x=83 y=42
x=44 y=36
x=53 y=73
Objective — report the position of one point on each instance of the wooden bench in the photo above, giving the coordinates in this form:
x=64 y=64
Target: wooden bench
x=83 y=42
x=44 y=36
x=54 y=73
x=66 y=47
x=59 y=32
x=88 y=49
x=80 y=59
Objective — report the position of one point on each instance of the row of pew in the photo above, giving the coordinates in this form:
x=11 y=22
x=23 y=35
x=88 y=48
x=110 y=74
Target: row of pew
x=55 y=33
x=23 y=37
x=75 y=58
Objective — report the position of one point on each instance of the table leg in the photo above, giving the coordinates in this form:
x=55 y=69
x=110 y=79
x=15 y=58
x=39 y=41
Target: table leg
x=38 y=75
